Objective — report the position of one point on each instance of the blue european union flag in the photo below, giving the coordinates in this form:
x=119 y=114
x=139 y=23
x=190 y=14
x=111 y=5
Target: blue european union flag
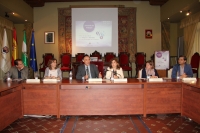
x=33 y=61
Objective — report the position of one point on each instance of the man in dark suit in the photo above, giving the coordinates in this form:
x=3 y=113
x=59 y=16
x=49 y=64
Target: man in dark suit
x=182 y=69
x=19 y=71
x=87 y=70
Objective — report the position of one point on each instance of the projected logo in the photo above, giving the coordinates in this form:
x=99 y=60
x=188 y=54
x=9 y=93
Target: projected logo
x=93 y=33
x=89 y=26
x=100 y=34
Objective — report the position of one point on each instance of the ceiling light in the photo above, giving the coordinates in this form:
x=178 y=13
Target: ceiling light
x=181 y=11
x=188 y=13
x=25 y=20
x=167 y=18
x=13 y=13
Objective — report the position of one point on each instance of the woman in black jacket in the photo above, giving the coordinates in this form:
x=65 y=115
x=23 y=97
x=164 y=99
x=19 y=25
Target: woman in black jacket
x=149 y=70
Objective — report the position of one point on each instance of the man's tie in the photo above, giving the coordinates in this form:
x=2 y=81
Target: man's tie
x=87 y=72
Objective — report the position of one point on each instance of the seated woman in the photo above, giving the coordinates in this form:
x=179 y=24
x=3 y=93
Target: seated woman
x=52 y=71
x=115 y=70
x=149 y=70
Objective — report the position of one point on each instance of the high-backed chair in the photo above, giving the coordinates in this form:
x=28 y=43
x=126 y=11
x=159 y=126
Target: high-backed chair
x=195 y=63
x=124 y=62
x=79 y=57
x=65 y=62
x=46 y=57
x=96 y=54
x=108 y=56
x=140 y=59
x=99 y=65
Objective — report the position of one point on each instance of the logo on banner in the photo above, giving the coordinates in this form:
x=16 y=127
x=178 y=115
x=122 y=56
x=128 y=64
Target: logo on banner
x=159 y=54
x=5 y=50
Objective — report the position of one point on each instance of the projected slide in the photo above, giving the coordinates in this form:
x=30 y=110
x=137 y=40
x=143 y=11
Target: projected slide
x=93 y=33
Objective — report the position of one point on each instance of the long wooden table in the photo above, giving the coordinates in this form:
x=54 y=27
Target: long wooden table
x=10 y=103
x=79 y=97
x=190 y=101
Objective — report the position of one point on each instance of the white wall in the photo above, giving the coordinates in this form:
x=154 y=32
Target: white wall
x=148 y=17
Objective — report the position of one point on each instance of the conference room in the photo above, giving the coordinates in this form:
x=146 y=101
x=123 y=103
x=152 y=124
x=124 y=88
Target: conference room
x=136 y=48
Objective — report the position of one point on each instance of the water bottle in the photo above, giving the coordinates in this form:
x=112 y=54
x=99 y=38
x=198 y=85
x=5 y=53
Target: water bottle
x=8 y=76
x=70 y=75
x=112 y=76
x=36 y=75
x=148 y=76
x=177 y=75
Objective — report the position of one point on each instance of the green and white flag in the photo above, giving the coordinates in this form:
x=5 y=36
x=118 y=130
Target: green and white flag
x=24 y=51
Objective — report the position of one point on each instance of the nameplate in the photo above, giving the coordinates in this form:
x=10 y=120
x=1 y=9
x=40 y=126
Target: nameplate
x=32 y=81
x=50 y=80
x=95 y=80
x=155 y=79
x=189 y=79
x=120 y=80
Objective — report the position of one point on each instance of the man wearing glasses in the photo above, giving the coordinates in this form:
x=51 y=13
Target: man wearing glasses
x=19 y=71
x=182 y=69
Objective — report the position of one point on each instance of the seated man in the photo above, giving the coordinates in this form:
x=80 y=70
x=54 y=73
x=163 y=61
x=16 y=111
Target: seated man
x=87 y=70
x=182 y=70
x=19 y=71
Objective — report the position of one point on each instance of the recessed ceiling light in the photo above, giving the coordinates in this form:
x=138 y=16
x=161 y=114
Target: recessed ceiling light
x=181 y=11
x=188 y=13
x=25 y=20
x=13 y=13
x=167 y=18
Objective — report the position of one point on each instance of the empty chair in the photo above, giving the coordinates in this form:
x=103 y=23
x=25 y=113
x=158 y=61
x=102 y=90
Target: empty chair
x=140 y=59
x=79 y=57
x=195 y=63
x=96 y=54
x=108 y=56
x=124 y=62
x=65 y=62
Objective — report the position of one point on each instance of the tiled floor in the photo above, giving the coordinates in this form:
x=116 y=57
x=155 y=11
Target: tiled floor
x=105 y=124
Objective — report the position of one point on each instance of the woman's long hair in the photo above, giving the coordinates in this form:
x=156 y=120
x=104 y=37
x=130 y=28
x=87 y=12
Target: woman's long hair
x=50 y=62
x=114 y=59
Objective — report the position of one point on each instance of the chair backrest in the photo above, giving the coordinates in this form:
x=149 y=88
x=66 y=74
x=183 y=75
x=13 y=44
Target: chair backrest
x=96 y=54
x=124 y=58
x=108 y=56
x=195 y=60
x=169 y=73
x=140 y=58
x=140 y=73
x=46 y=57
x=65 y=59
x=79 y=57
x=99 y=65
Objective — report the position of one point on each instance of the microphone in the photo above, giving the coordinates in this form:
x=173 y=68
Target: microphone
x=86 y=71
x=115 y=73
x=118 y=74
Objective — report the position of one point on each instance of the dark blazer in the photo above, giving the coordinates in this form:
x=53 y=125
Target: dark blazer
x=93 y=71
x=187 y=70
x=144 y=74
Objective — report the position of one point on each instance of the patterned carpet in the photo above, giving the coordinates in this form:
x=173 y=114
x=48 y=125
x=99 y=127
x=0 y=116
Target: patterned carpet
x=170 y=123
